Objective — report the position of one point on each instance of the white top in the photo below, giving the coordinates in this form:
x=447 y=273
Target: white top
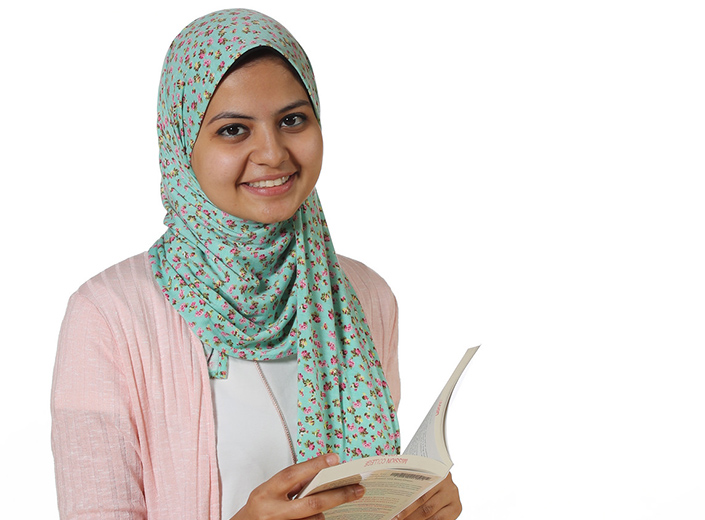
x=251 y=440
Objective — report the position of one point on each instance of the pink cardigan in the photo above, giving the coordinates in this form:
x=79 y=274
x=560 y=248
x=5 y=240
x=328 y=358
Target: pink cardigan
x=133 y=430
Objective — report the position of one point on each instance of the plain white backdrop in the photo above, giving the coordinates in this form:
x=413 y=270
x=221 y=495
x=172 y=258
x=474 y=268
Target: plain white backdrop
x=525 y=175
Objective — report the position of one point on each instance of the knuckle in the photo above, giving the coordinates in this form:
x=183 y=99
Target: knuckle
x=258 y=493
x=314 y=503
x=288 y=474
x=350 y=494
x=427 y=510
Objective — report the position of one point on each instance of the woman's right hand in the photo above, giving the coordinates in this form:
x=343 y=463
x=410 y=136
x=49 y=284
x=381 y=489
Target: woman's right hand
x=272 y=499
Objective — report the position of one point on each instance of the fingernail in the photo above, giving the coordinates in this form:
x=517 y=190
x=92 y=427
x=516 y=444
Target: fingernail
x=359 y=491
x=332 y=459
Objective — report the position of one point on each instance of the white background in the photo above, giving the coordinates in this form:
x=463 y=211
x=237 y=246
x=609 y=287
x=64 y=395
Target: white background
x=525 y=175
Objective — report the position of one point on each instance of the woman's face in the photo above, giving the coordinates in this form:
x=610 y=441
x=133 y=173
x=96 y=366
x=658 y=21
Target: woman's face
x=259 y=150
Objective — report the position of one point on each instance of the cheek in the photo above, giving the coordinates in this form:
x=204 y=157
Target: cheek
x=313 y=154
x=215 y=167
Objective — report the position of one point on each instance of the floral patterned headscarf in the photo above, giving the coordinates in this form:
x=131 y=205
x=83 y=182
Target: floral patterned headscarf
x=263 y=291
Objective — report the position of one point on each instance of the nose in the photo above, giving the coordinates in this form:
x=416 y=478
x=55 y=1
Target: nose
x=269 y=148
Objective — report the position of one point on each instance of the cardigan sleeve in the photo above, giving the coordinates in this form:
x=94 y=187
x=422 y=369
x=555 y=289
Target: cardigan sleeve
x=94 y=439
x=381 y=312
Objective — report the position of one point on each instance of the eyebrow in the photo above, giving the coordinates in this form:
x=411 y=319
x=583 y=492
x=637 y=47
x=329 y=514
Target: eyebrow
x=236 y=115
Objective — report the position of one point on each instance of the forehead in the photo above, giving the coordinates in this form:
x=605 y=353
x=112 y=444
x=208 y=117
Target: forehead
x=266 y=84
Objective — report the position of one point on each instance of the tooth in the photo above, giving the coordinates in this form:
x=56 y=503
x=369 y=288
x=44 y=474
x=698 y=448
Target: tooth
x=269 y=183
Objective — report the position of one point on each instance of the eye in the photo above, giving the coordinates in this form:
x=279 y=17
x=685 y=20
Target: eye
x=233 y=130
x=293 y=120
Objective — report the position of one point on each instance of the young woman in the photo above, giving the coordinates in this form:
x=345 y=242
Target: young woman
x=216 y=373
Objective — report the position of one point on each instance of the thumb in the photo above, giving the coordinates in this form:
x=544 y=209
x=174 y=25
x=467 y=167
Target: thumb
x=291 y=480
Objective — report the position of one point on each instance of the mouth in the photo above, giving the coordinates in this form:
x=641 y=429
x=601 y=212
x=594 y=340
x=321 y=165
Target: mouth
x=271 y=183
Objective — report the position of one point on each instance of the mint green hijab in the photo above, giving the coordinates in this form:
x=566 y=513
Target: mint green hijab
x=263 y=291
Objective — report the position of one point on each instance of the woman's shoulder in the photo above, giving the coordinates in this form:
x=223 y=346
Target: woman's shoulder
x=363 y=278
x=375 y=295
x=123 y=284
x=125 y=303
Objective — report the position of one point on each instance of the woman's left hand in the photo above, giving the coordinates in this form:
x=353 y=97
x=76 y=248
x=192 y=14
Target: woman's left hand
x=441 y=503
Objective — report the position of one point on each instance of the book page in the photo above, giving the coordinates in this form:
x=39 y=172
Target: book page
x=358 y=470
x=423 y=443
x=387 y=493
x=429 y=440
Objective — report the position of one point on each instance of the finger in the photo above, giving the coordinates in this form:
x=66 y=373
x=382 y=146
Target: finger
x=426 y=510
x=320 y=502
x=431 y=511
x=417 y=504
x=291 y=479
x=441 y=502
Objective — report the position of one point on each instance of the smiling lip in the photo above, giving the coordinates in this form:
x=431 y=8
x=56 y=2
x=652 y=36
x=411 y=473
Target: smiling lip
x=270 y=186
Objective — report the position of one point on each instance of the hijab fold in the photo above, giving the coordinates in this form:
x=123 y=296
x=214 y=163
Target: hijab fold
x=263 y=291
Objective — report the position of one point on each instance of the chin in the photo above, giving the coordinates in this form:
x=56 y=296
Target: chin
x=274 y=217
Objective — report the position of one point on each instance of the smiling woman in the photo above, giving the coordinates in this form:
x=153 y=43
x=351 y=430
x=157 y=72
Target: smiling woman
x=259 y=153
x=241 y=325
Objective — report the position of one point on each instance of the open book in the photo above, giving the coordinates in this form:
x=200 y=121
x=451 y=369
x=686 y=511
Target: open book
x=393 y=482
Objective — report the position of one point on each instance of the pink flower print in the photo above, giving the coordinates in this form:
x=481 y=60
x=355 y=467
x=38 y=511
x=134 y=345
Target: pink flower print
x=199 y=332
